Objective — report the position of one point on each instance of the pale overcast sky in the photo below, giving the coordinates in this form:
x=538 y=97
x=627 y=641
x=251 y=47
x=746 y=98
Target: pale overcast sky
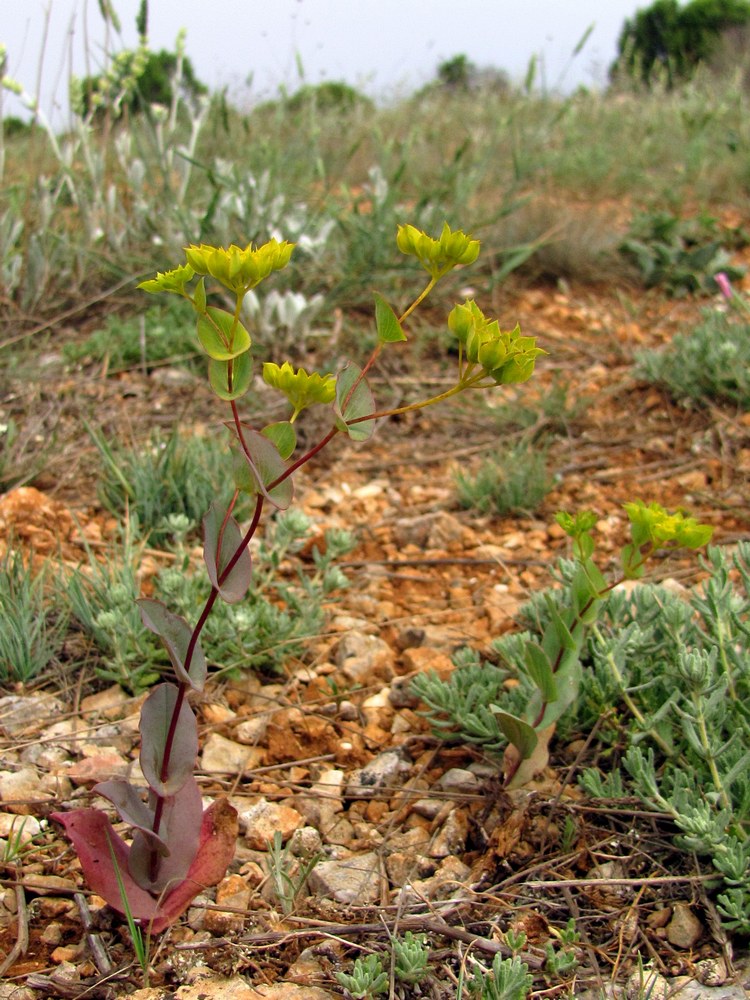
x=382 y=46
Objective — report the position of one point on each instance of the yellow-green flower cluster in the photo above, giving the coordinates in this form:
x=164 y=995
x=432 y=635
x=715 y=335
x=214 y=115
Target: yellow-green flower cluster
x=505 y=355
x=437 y=257
x=169 y=281
x=654 y=524
x=237 y=269
x=300 y=388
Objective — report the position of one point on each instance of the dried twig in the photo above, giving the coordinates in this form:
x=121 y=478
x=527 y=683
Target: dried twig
x=22 y=932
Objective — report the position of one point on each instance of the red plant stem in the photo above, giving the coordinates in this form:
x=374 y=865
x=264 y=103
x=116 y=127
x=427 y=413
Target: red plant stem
x=303 y=459
x=182 y=687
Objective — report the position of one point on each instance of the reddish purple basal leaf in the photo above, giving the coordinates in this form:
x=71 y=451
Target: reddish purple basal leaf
x=132 y=809
x=218 y=840
x=180 y=830
x=91 y=834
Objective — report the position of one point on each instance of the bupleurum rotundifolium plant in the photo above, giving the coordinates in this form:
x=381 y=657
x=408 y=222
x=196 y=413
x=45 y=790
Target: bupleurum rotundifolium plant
x=178 y=848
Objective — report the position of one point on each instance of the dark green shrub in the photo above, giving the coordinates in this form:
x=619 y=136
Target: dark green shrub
x=681 y=255
x=329 y=96
x=670 y=40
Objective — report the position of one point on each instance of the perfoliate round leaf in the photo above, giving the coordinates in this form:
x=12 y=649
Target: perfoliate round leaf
x=156 y=716
x=283 y=435
x=221 y=335
x=176 y=634
x=222 y=539
x=231 y=379
x=353 y=400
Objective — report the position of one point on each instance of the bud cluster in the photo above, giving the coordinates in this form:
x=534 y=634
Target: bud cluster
x=440 y=256
x=300 y=388
x=505 y=355
x=653 y=524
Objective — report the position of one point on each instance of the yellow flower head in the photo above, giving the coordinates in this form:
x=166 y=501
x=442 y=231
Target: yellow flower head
x=169 y=281
x=237 y=269
x=654 y=524
x=437 y=257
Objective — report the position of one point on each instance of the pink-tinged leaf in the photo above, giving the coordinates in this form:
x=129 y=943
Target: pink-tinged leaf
x=175 y=632
x=92 y=834
x=180 y=830
x=218 y=839
x=132 y=809
x=353 y=400
x=524 y=769
x=222 y=538
x=264 y=465
x=156 y=716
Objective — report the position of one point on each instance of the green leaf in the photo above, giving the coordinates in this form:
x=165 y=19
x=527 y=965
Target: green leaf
x=253 y=473
x=175 y=632
x=584 y=546
x=241 y=369
x=386 y=321
x=222 y=538
x=283 y=436
x=221 y=336
x=568 y=681
x=156 y=716
x=516 y=731
x=539 y=669
x=353 y=404
x=558 y=630
x=632 y=561
x=587 y=587
x=199 y=297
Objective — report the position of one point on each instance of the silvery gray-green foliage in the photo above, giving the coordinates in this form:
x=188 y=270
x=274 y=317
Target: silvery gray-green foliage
x=367 y=979
x=515 y=480
x=670 y=670
x=686 y=682
x=146 y=185
x=710 y=363
x=31 y=635
x=459 y=707
x=508 y=979
x=260 y=632
x=410 y=957
x=283 y=320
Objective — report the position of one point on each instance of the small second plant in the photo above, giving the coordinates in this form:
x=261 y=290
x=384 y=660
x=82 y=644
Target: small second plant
x=177 y=848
